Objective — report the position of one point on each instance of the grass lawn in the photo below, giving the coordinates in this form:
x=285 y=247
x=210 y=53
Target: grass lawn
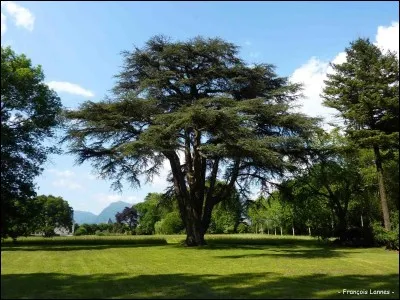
x=236 y=266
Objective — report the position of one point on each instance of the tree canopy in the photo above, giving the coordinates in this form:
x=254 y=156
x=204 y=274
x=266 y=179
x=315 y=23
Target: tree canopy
x=29 y=114
x=198 y=105
x=54 y=212
x=365 y=91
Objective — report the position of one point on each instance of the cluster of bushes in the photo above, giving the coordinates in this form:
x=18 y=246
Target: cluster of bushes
x=170 y=224
x=390 y=239
x=102 y=229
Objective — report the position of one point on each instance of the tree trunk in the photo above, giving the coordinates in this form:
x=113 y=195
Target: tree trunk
x=382 y=190
x=281 y=230
x=275 y=230
x=194 y=236
x=341 y=227
x=293 y=230
x=309 y=230
x=194 y=228
x=362 y=221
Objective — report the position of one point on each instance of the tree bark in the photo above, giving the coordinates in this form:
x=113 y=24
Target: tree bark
x=194 y=229
x=382 y=190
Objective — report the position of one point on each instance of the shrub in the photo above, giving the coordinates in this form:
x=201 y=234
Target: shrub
x=80 y=231
x=357 y=237
x=171 y=224
x=390 y=239
x=242 y=228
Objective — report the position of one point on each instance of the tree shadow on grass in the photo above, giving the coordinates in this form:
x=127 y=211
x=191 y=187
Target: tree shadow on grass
x=292 y=253
x=180 y=286
x=268 y=240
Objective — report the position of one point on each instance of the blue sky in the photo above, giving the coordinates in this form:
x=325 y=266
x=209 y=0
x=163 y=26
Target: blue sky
x=78 y=45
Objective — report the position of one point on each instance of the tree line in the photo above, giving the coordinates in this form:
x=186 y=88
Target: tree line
x=224 y=127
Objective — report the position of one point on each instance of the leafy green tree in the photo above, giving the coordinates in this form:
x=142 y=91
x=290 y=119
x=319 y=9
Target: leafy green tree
x=227 y=214
x=29 y=114
x=170 y=224
x=128 y=216
x=154 y=207
x=23 y=223
x=332 y=175
x=54 y=212
x=365 y=91
x=194 y=101
x=257 y=214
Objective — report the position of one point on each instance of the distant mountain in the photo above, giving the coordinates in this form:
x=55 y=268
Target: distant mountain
x=81 y=217
x=109 y=212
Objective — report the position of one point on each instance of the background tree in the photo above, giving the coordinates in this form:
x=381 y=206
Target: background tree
x=128 y=216
x=199 y=106
x=332 y=175
x=365 y=91
x=154 y=208
x=29 y=114
x=170 y=224
x=55 y=212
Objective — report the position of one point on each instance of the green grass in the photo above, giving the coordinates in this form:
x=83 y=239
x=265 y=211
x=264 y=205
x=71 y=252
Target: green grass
x=235 y=266
x=87 y=240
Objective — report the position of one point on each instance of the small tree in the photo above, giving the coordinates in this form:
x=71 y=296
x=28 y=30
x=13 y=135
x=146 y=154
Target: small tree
x=54 y=212
x=128 y=216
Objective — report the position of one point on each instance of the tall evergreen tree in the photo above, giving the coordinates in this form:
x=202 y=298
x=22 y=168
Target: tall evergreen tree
x=196 y=104
x=365 y=91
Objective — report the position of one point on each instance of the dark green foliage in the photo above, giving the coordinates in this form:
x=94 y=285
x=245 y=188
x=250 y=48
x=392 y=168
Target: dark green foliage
x=102 y=229
x=243 y=228
x=149 y=212
x=53 y=212
x=128 y=216
x=29 y=114
x=227 y=214
x=390 y=238
x=24 y=222
x=230 y=122
x=365 y=91
x=329 y=185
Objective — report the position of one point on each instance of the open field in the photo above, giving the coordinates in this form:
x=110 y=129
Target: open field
x=231 y=266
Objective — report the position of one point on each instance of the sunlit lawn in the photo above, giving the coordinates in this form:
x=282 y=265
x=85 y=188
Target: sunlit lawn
x=235 y=266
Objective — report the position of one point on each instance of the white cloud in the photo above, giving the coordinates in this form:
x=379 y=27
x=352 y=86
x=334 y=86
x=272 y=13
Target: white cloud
x=3 y=24
x=64 y=179
x=71 y=88
x=21 y=15
x=247 y=43
x=107 y=198
x=133 y=199
x=313 y=73
x=387 y=38
x=67 y=183
x=91 y=177
x=66 y=173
